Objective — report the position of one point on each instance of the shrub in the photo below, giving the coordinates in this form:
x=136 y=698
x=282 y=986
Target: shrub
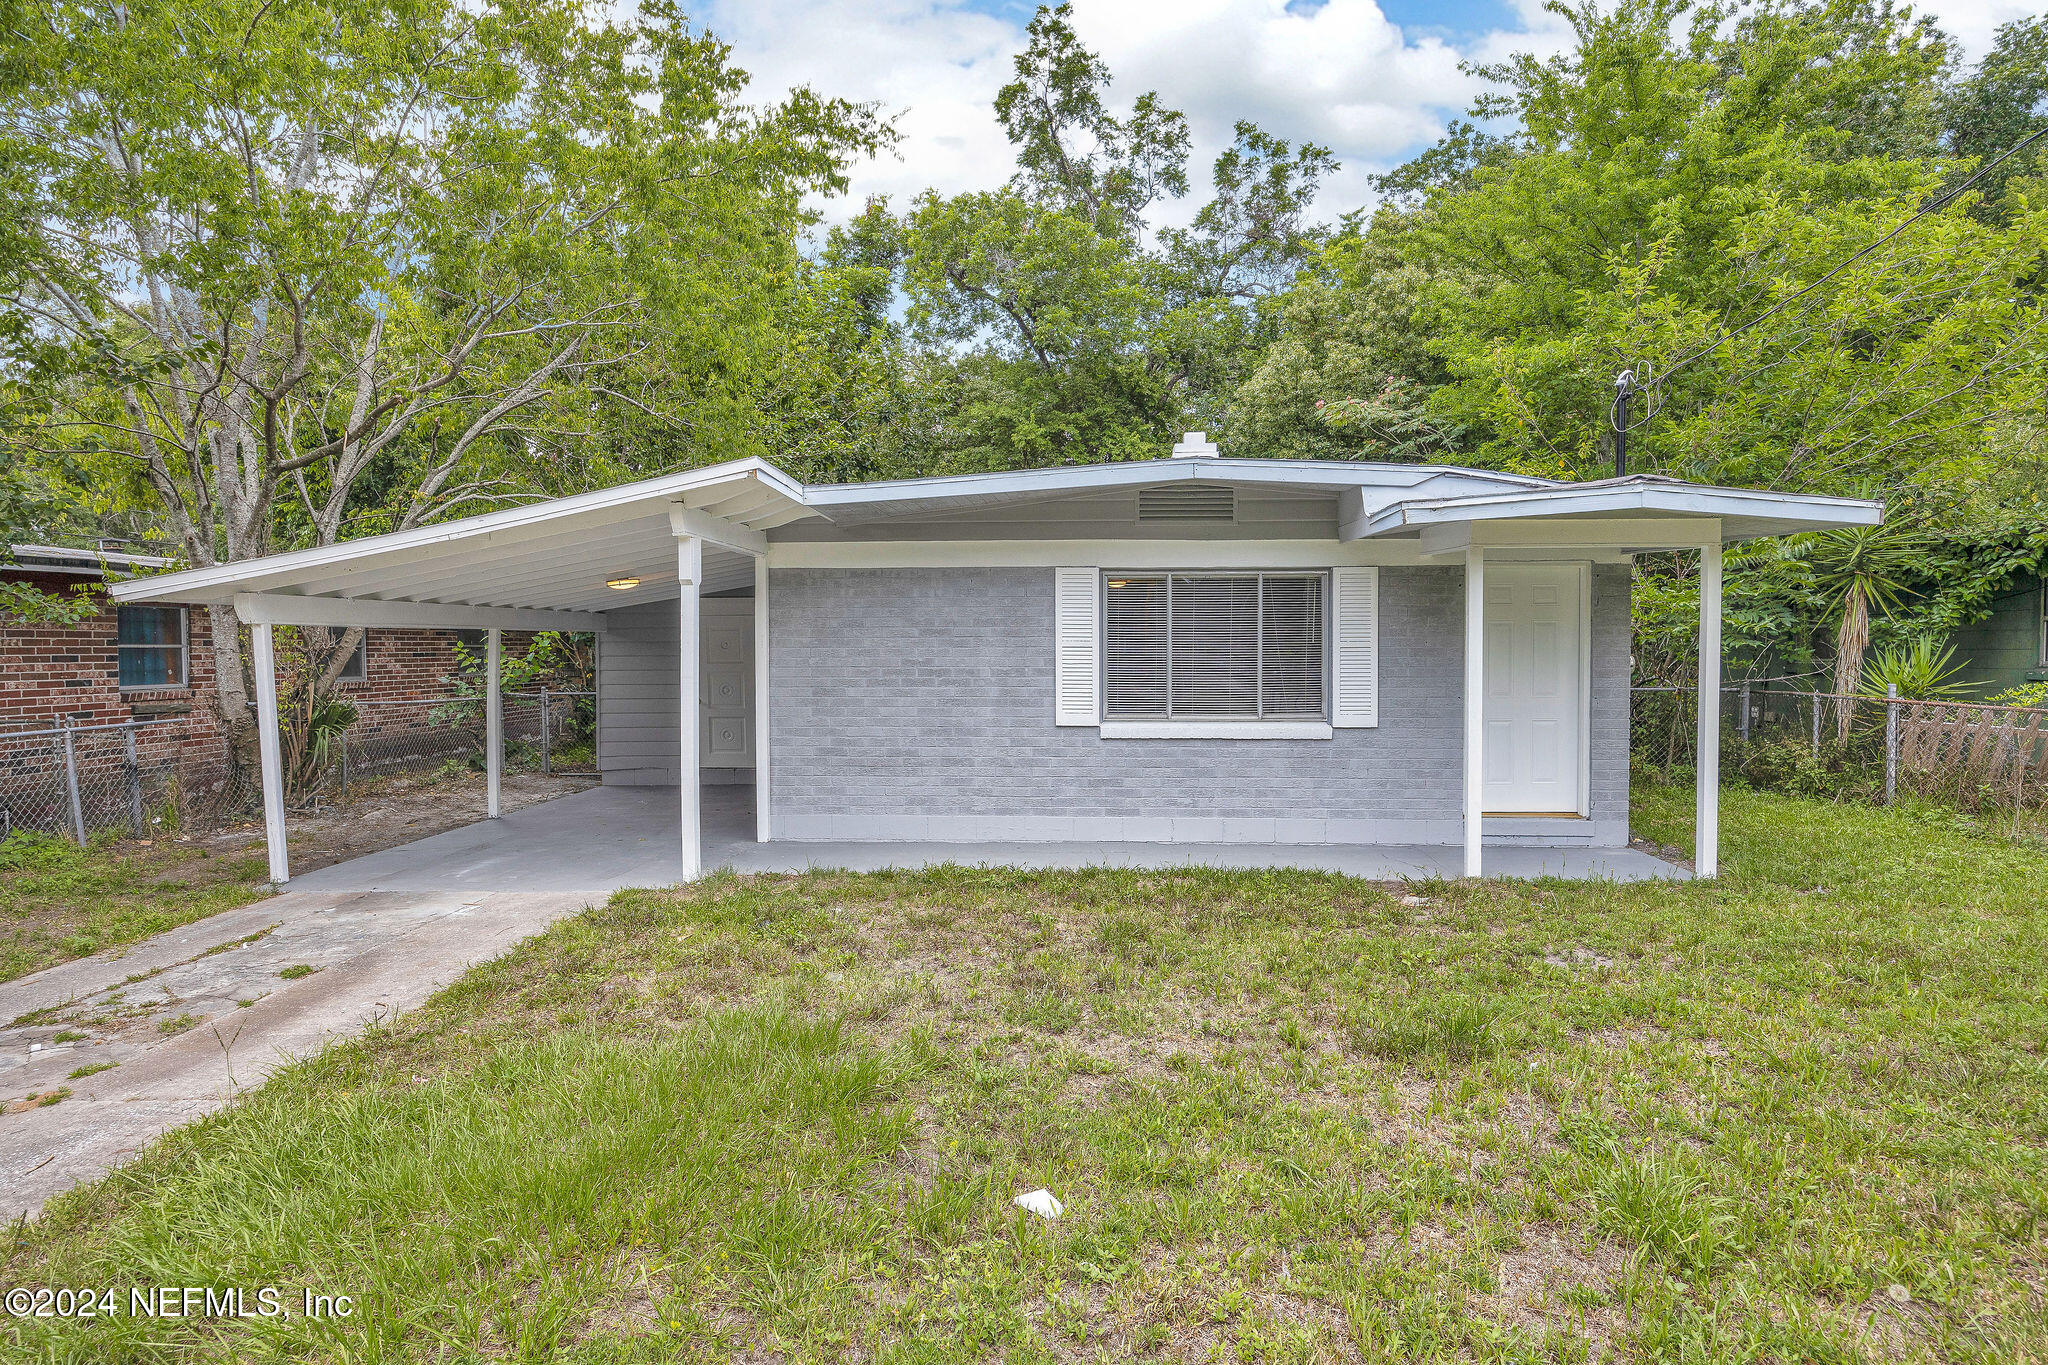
x=2027 y=694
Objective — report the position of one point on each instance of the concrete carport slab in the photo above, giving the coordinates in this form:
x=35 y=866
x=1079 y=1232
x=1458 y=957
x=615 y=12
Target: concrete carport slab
x=601 y=840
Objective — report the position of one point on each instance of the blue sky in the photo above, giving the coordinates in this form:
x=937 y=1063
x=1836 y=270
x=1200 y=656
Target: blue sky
x=1373 y=81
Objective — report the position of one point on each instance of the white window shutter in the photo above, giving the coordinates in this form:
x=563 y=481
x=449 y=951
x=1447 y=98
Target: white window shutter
x=1355 y=648
x=1077 y=631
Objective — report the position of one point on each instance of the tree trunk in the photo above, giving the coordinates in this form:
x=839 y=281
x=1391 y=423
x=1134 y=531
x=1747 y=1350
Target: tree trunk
x=232 y=705
x=1850 y=642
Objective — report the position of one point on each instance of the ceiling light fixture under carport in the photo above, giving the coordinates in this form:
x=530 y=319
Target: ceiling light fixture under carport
x=623 y=582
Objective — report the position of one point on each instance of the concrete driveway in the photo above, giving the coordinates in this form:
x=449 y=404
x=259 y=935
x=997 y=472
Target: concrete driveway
x=191 y=1017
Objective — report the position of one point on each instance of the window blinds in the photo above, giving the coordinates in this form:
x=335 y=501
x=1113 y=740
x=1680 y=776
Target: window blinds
x=1232 y=646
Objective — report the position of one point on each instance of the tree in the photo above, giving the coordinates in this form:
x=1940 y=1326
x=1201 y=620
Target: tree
x=2000 y=103
x=313 y=270
x=1063 y=325
x=1350 y=371
x=1680 y=206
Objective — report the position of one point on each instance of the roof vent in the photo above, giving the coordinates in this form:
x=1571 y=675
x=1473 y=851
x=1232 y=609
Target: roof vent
x=1195 y=445
x=1188 y=502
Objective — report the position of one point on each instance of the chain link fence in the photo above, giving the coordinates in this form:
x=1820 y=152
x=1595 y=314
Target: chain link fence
x=140 y=776
x=131 y=777
x=551 y=733
x=1969 y=752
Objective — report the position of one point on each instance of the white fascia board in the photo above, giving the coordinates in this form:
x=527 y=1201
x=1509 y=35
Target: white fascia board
x=604 y=505
x=1724 y=504
x=285 y=609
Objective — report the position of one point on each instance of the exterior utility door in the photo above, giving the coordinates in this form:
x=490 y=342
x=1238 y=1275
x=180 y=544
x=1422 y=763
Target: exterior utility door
x=1535 y=689
x=725 y=704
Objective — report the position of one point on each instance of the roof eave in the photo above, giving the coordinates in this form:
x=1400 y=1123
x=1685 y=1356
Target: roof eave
x=1665 y=500
x=218 y=583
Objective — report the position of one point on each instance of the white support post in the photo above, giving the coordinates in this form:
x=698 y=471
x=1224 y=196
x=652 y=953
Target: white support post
x=761 y=730
x=1706 y=858
x=269 y=750
x=1475 y=709
x=690 y=573
x=494 y=721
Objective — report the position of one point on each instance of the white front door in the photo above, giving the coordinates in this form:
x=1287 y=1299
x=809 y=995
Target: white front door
x=1534 y=689
x=726 y=665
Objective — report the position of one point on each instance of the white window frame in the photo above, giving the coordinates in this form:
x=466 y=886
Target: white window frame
x=184 y=678
x=1215 y=727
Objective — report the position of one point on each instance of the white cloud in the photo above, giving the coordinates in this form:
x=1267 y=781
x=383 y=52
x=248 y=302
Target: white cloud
x=1974 y=23
x=1340 y=74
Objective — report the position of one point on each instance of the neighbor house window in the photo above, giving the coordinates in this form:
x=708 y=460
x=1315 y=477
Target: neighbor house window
x=357 y=669
x=1214 y=646
x=150 y=642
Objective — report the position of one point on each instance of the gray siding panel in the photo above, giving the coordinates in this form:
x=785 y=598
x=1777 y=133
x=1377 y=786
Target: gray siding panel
x=639 y=696
x=918 y=703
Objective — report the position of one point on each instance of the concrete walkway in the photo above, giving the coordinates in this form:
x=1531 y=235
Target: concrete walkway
x=193 y=1016
x=599 y=840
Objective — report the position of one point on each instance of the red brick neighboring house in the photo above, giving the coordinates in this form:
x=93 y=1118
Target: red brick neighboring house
x=148 y=661
x=156 y=663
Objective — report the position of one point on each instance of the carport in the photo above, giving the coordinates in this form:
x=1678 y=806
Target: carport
x=565 y=564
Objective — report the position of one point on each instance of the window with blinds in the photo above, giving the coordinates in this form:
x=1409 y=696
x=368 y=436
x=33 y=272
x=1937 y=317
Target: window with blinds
x=1210 y=646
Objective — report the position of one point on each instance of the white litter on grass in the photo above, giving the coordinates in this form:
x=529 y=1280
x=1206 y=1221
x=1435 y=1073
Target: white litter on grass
x=1041 y=1203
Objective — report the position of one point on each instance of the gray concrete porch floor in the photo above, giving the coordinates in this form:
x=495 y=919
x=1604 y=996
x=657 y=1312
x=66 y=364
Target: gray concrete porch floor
x=606 y=838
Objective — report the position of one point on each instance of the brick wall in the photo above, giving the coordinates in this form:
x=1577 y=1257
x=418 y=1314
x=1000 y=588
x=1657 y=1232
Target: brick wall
x=911 y=703
x=50 y=674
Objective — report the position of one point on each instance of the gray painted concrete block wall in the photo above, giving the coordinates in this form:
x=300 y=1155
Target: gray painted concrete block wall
x=918 y=704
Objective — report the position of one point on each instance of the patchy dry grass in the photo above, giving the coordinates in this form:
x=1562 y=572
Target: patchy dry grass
x=1795 y=1116
x=59 y=901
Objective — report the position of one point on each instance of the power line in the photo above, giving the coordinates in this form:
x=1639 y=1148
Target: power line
x=1934 y=205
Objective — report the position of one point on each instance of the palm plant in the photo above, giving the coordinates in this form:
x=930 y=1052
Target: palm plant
x=1857 y=570
x=1916 y=670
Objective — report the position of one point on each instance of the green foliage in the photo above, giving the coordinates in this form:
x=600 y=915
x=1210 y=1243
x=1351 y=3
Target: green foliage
x=27 y=850
x=2026 y=694
x=1053 y=320
x=25 y=604
x=1922 y=670
x=2001 y=102
x=434 y=253
x=1671 y=180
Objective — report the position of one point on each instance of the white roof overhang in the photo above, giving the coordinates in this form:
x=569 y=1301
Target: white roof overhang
x=540 y=566
x=1645 y=513
x=546 y=565
x=853 y=503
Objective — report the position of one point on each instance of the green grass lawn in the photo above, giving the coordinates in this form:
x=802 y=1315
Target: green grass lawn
x=59 y=901
x=1798 y=1115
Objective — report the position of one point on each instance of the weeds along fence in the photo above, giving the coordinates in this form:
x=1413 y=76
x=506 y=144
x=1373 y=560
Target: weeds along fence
x=1970 y=752
x=551 y=733
x=75 y=780
x=138 y=777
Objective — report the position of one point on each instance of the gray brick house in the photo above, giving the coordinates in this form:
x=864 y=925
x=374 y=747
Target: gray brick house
x=1184 y=651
